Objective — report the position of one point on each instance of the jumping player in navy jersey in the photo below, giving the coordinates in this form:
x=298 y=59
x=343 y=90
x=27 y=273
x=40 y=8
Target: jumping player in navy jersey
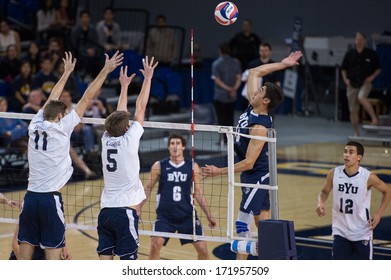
x=352 y=185
x=174 y=198
x=42 y=222
x=123 y=191
x=252 y=153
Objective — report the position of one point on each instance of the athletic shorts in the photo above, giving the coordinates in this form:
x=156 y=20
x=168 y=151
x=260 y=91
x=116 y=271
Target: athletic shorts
x=344 y=249
x=181 y=226
x=255 y=200
x=118 y=233
x=41 y=222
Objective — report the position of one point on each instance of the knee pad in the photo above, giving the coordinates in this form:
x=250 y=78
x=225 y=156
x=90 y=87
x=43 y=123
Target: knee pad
x=242 y=224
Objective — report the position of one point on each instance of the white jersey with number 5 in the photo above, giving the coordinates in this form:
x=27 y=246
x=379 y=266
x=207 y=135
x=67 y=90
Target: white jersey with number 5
x=50 y=165
x=121 y=168
x=351 y=204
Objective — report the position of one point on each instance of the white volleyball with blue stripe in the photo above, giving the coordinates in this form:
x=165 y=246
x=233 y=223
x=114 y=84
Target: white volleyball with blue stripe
x=226 y=13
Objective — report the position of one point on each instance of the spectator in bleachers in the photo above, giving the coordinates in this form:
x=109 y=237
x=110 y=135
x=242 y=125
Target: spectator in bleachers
x=54 y=51
x=85 y=42
x=47 y=25
x=82 y=133
x=109 y=31
x=45 y=79
x=71 y=84
x=162 y=43
x=22 y=86
x=66 y=21
x=34 y=102
x=10 y=64
x=8 y=37
x=244 y=45
x=13 y=132
x=98 y=108
x=33 y=56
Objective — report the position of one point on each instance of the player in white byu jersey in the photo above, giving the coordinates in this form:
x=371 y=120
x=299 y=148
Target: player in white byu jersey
x=42 y=220
x=352 y=224
x=123 y=190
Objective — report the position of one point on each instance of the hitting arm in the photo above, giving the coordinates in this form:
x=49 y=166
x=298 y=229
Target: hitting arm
x=265 y=69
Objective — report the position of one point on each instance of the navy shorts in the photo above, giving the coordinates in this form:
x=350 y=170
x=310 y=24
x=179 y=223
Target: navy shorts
x=344 y=249
x=41 y=222
x=118 y=233
x=255 y=200
x=181 y=226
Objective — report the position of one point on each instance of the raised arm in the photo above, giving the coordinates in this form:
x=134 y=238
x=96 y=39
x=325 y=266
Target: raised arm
x=93 y=88
x=69 y=66
x=142 y=99
x=125 y=82
x=265 y=69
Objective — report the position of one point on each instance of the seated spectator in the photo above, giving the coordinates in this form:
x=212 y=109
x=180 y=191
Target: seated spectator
x=109 y=31
x=8 y=37
x=98 y=109
x=66 y=21
x=45 y=79
x=82 y=133
x=22 y=86
x=54 y=51
x=10 y=65
x=33 y=56
x=13 y=132
x=47 y=25
x=85 y=43
x=162 y=43
x=34 y=102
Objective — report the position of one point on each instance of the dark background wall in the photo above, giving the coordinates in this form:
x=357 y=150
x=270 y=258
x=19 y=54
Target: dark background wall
x=271 y=19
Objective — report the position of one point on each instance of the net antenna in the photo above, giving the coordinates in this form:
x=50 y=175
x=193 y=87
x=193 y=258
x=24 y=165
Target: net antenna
x=192 y=127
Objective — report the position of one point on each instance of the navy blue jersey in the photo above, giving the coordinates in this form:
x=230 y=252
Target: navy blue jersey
x=174 y=194
x=246 y=120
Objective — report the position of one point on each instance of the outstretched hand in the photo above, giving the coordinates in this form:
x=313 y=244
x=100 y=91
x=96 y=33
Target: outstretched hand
x=69 y=63
x=123 y=78
x=210 y=171
x=292 y=59
x=149 y=67
x=14 y=203
x=113 y=62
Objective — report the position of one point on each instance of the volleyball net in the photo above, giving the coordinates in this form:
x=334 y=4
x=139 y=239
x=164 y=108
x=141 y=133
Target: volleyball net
x=81 y=195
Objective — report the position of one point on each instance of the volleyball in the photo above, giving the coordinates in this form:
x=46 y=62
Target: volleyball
x=226 y=13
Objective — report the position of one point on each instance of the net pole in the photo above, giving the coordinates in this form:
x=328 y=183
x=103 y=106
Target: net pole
x=192 y=127
x=231 y=179
x=271 y=133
